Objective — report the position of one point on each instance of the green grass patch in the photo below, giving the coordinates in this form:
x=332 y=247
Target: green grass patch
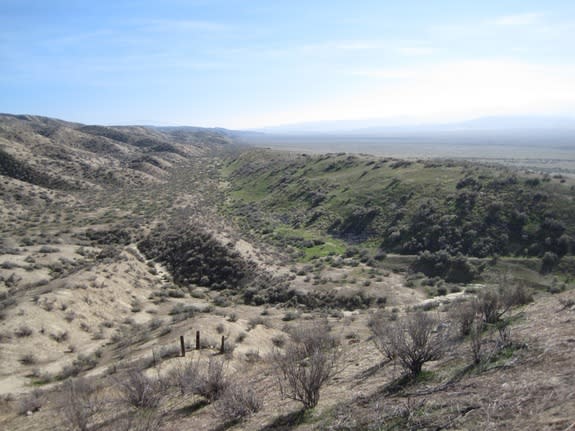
x=312 y=243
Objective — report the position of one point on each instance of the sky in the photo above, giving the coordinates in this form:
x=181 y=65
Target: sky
x=253 y=63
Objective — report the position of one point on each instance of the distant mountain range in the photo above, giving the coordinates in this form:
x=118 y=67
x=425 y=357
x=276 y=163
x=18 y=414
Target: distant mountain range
x=382 y=126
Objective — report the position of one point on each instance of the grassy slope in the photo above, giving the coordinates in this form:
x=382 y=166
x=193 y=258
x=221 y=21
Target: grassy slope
x=404 y=207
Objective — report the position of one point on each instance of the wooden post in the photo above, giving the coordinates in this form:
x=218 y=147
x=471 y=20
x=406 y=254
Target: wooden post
x=222 y=349
x=197 y=340
x=182 y=346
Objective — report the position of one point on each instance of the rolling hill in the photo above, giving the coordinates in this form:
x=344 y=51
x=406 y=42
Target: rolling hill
x=119 y=245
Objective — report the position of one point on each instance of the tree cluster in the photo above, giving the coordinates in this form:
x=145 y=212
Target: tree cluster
x=194 y=256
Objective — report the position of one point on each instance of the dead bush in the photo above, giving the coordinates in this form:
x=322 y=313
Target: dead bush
x=464 y=314
x=211 y=382
x=28 y=359
x=184 y=376
x=252 y=356
x=23 y=331
x=515 y=295
x=30 y=403
x=566 y=303
x=307 y=362
x=237 y=403
x=140 y=420
x=81 y=403
x=412 y=340
x=278 y=341
x=476 y=340
x=491 y=305
x=139 y=390
x=60 y=337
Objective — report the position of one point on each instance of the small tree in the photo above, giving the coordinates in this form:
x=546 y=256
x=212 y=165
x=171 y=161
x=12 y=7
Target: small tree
x=308 y=361
x=413 y=340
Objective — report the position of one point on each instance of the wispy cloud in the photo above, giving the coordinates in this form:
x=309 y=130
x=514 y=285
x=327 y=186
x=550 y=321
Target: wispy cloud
x=343 y=45
x=518 y=19
x=415 y=50
x=384 y=73
x=171 y=25
x=404 y=48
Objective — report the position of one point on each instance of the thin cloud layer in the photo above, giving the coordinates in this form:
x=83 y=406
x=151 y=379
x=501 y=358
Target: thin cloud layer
x=244 y=64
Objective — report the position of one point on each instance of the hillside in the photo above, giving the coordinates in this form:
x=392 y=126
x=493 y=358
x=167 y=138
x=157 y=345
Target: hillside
x=406 y=207
x=116 y=241
x=75 y=200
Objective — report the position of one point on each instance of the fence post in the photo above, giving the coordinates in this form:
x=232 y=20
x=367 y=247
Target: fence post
x=222 y=348
x=182 y=346
x=197 y=340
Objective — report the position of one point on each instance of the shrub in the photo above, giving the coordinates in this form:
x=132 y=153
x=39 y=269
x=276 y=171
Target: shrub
x=211 y=383
x=23 y=331
x=30 y=403
x=60 y=337
x=309 y=361
x=140 y=391
x=139 y=420
x=517 y=295
x=176 y=293
x=493 y=304
x=28 y=359
x=221 y=301
x=548 y=262
x=566 y=303
x=252 y=356
x=476 y=340
x=154 y=324
x=290 y=315
x=48 y=249
x=253 y=322
x=220 y=328
x=238 y=402
x=185 y=376
x=412 y=340
x=172 y=351
x=278 y=341
x=229 y=348
x=463 y=313
x=81 y=404
x=187 y=310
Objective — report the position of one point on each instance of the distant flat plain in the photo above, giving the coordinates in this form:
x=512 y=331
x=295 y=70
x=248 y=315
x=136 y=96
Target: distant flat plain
x=551 y=151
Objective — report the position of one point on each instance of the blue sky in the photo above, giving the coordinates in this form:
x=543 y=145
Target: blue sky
x=254 y=63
